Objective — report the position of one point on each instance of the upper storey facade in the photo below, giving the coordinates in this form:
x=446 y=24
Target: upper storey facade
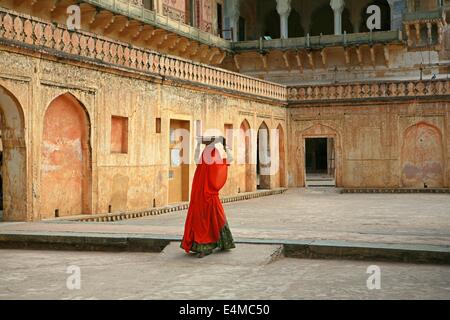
x=325 y=41
x=188 y=29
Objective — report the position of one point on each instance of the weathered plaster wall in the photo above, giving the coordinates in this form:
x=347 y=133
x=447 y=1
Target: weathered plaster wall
x=65 y=159
x=129 y=181
x=403 y=144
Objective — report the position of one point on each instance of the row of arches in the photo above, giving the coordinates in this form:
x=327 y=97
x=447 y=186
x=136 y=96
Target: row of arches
x=318 y=21
x=65 y=162
x=268 y=170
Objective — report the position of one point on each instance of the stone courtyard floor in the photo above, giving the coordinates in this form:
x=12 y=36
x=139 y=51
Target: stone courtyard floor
x=249 y=271
x=308 y=214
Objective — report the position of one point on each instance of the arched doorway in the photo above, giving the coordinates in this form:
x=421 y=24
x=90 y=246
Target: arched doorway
x=422 y=163
x=385 y=16
x=281 y=157
x=295 y=25
x=244 y=159
x=320 y=149
x=323 y=21
x=13 y=159
x=272 y=25
x=65 y=159
x=263 y=158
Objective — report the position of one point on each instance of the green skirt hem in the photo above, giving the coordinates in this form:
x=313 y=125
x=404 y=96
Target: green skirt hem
x=225 y=242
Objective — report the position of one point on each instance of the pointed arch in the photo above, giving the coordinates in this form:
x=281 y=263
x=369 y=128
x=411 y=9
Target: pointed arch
x=263 y=157
x=281 y=157
x=66 y=170
x=319 y=130
x=13 y=158
x=244 y=157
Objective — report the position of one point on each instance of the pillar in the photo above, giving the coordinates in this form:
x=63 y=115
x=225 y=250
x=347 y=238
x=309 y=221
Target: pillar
x=338 y=7
x=232 y=14
x=284 y=9
x=398 y=8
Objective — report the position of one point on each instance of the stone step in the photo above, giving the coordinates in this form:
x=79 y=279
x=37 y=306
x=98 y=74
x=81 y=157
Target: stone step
x=255 y=251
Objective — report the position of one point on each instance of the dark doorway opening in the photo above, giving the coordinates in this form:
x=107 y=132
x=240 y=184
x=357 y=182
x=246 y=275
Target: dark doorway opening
x=316 y=155
x=219 y=20
x=241 y=34
x=320 y=162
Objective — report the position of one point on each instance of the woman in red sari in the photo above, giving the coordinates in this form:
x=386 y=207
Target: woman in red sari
x=206 y=226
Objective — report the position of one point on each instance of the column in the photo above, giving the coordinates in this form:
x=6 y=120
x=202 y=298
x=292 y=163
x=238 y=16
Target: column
x=398 y=8
x=338 y=7
x=232 y=14
x=284 y=9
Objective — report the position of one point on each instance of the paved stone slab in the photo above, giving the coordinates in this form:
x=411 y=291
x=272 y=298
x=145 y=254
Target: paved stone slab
x=242 y=274
x=256 y=255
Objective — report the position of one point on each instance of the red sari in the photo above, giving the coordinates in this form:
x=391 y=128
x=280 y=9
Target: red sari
x=206 y=221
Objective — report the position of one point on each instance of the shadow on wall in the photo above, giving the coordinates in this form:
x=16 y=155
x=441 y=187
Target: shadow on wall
x=13 y=169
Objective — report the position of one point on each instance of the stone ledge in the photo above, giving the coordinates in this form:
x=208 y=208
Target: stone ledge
x=368 y=252
x=303 y=249
x=395 y=190
x=111 y=217
x=81 y=242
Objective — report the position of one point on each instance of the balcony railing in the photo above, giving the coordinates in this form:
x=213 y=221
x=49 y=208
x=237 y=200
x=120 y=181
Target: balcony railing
x=424 y=15
x=321 y=41
x=18 y=29
x=369 y=90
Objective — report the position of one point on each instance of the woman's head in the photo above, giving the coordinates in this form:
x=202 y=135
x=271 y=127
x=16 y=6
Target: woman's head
x=212 y=154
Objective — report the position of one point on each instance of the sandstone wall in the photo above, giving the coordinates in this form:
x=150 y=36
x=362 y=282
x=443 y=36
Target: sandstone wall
x=379 y=144
x=118 y=181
